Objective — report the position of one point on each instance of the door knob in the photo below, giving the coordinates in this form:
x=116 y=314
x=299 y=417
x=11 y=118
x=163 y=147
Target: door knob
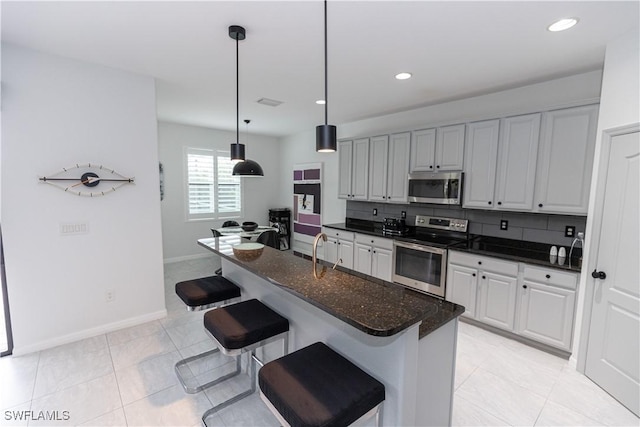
x=598 y=274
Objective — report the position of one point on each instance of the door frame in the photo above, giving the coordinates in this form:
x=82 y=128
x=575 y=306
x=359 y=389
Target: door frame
x=593 y=243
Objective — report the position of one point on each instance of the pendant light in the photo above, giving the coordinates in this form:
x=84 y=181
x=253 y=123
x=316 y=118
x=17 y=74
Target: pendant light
x=326 y=141
x=248 y=167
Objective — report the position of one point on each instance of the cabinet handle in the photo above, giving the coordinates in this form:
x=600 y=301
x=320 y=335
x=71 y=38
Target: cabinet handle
x=489 y=202
x=338 y=242
x=484 y=277
x=539 y=205
x=368 y=250
x=473 y=274
x=438 y=167
x=430 y=166
x=372 y=241
x=479 y=262
x=499 y=203
x=548 y=276
x=524 y=286
x=374 y=252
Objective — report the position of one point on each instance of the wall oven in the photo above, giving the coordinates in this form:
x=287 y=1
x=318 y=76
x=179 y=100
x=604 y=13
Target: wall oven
x=438 y=188
x=420 y=258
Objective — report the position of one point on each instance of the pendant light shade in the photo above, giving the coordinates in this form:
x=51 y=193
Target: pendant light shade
x=245 y=167
x=326 y=141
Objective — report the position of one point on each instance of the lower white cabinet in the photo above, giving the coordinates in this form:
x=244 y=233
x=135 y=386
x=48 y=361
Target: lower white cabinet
x=531 y=301
x=373 y=256
x=338 y=247
x=547 y=302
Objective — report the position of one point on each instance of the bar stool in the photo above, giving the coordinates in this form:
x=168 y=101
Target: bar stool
x=242 y=328
x=315 y=386
x=201 y=294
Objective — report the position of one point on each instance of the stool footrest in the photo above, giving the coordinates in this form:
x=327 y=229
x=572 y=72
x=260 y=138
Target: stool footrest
x=183 y=364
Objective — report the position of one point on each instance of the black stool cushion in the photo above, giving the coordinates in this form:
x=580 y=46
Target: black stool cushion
x=315 y=386
x=242 y=324
x=206 y=290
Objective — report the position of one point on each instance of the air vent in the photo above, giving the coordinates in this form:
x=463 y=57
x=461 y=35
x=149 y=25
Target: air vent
x=269 y=102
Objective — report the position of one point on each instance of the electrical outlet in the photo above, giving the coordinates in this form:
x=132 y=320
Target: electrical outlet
x=569 y=231
x=403 y=214
x=504 y=224
x=375 y=212
x=109 y=295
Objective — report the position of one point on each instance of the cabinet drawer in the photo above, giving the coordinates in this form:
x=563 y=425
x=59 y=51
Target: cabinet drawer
x=551 y=277
x=507 y=268
x=338 y=234
x=379 y=242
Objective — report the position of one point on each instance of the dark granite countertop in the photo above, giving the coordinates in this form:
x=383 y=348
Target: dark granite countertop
x=371 y=305
x=508 y=249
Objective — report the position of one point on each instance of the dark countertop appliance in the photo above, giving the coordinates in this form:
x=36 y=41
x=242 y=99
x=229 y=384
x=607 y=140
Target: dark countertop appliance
x=420 y=259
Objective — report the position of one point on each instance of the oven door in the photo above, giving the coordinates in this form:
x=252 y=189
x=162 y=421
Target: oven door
x=420 y=267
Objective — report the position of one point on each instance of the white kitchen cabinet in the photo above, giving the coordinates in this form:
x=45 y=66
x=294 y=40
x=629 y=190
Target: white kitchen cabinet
x=497 y=304
x=517 y=156
x=339 y=246
x=438 y=150
x=547 y=305
x=565 y=160
x=485 y=286
x=462 y=284
x=480 y=160
x=353 y=159
x=373 y=256
x=389 y=168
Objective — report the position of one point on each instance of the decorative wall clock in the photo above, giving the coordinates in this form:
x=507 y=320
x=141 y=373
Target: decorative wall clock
x=87 y=179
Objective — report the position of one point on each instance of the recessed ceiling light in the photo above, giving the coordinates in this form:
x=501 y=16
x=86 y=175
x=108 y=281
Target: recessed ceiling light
x=403 y=76
x=563 y=24
x=321 y=102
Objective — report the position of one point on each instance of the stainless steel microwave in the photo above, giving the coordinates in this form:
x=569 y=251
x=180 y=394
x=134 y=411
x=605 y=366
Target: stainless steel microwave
x=440 y=188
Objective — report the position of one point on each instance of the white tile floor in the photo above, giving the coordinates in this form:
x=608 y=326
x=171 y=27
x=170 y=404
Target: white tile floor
x=126 y=378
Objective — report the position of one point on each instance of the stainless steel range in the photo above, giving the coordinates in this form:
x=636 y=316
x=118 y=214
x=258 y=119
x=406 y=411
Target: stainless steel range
x=420 y=259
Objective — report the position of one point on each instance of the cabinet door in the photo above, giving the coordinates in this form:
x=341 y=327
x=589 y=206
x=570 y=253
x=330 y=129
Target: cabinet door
x=517 y=154
x=565 y=160
x=480 y=159
x=398 y=168
x=546 y=314
x=362 y=258
x=345 y=160
x=360 y=172
x=382 y=264
x=497 y=303
x=462 y=283
x=450 y=148
x=330 y=250
x=345 y=252
x=423 y=148
x=378 y=159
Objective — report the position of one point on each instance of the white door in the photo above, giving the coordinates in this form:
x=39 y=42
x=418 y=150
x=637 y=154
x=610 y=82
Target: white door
x=423 y=147
x=614 y=334
x=362 y=258
x=381 y=264
x=450 y=148
x=462 y=284
x=378 y=159
x=345 y=253
x=497 y=300
x=345 y=160
x=360 y=172
x=481 y=156
x=398 y=168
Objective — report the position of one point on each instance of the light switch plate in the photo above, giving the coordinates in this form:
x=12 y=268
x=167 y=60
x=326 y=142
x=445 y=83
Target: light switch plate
x=375 y=212
x=569 y=231
x=504 y=224
x=403 y=214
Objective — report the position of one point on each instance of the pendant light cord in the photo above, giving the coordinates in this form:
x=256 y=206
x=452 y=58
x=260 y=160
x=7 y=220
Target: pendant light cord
x=326 y=90
x=237 y=92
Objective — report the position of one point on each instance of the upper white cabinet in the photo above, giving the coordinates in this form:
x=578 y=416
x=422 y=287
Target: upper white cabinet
x=438 y=150
x=500 y=167
x=517 y=155
x=480 y=159
x=353 y=161
x=565 y=160
x=389 y=167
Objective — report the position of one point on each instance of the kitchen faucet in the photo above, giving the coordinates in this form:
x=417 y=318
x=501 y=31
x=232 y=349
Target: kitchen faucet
x=314 y=257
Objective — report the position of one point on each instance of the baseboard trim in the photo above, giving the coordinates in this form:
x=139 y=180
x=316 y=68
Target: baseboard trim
x=88 y=333
x=186 y=258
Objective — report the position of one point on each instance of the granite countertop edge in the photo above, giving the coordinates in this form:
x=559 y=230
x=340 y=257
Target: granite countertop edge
x=429 y=321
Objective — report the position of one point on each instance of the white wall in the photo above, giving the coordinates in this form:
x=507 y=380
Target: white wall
x=619 y=106
x=569 y=91
x=58 y=112
x=260 y=194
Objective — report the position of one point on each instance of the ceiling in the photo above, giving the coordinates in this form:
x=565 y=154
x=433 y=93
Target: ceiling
x=454 y=49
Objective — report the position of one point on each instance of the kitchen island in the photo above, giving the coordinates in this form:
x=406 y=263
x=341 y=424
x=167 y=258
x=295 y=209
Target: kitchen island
x=405 y=339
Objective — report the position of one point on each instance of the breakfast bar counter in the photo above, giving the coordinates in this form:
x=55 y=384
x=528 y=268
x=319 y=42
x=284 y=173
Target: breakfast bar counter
x=404 y=338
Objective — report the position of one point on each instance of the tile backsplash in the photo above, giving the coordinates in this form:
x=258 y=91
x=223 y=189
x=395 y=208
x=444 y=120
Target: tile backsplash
x=541 y=228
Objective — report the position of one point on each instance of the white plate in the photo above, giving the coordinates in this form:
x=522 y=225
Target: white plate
x=248 y=246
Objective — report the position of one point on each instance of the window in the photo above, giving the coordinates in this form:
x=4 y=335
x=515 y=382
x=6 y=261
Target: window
x=212 y=192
